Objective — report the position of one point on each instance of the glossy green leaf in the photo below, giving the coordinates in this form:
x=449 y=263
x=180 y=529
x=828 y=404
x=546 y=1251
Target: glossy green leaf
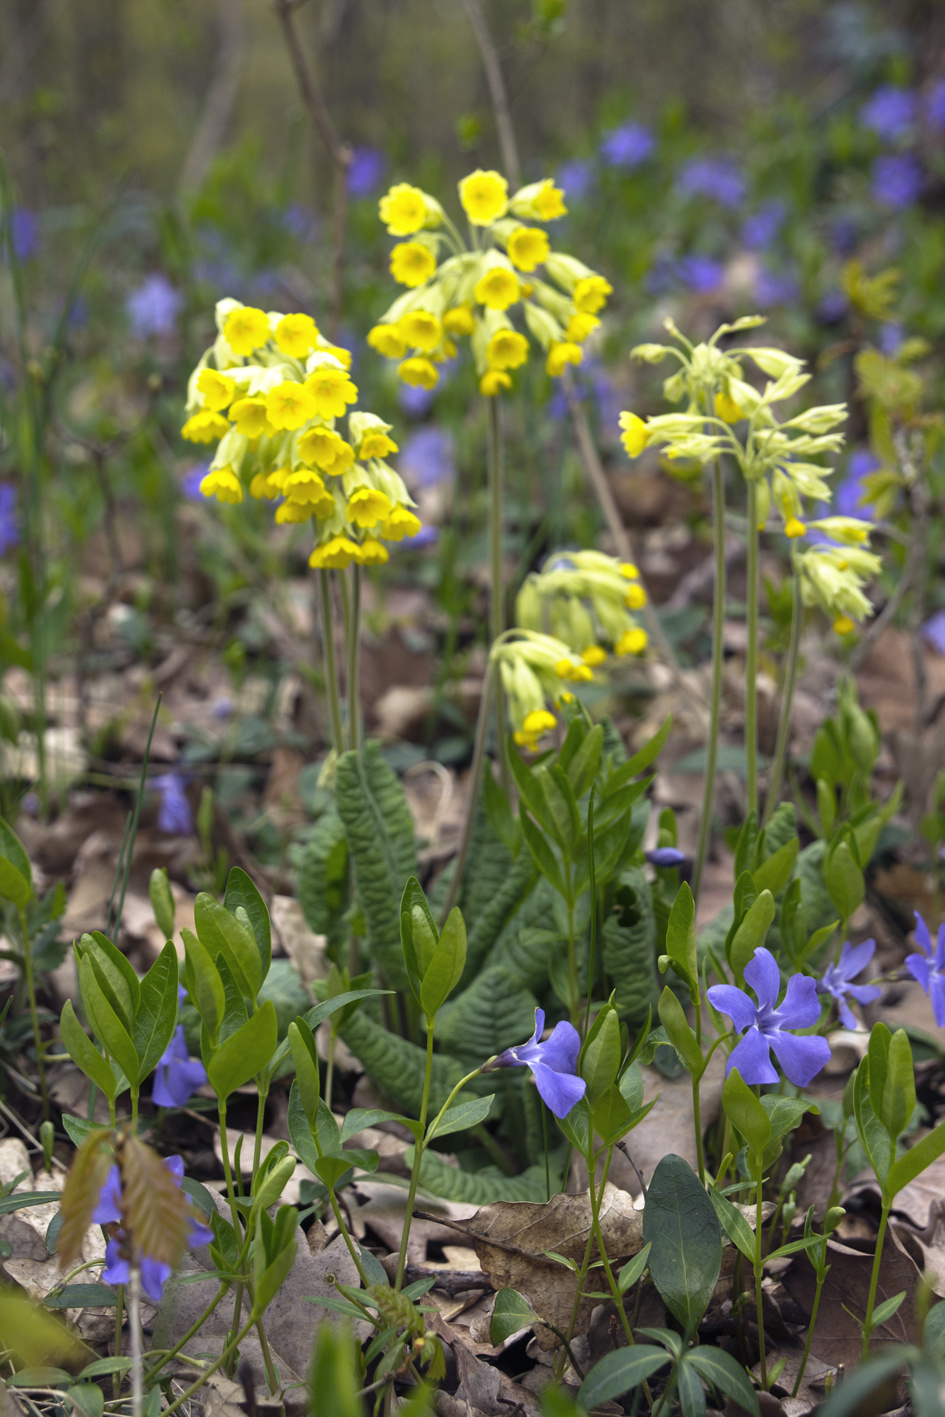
x=898 y=1099
x=774 y=873
x=724 y=1373
x=632 y=1270
x=446 y=967
x=305 y=1058
x=162 y=901
x=745 y=1112
x=115 y=974
x=206 y=987
x=679 y=1033
x=16 y=872
x=844 y=880
x=108 y=1027
x=733 y=1223
x=245 y=1053
x=545 y=859
x=640 y=760
x=752 y=932
x=621 y=1373
x=683 y=1230
x=872 y=1134
x=156 y=1016
x=221 y=933
x=681 y=937
x=511 y=1313
x=914 y=1161
x=582 y=767
x=462 y=1116
x=84 y=1053
x=601 y=1055
x=242 y=892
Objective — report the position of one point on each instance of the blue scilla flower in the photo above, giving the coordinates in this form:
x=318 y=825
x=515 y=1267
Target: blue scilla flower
x=765 y=1027
x=836 y=980
x=935 y=106
x=929 y=967
x=9 y=522
x=763 y=227
x=897 y=180
x=713 y=177
x=776 y=288
x=427 y=456
x=627 y=146
x=553 y=1064
x=177 y=1076
x=174 y=814
x=576 y=178
x=152 y=307
x=933 y=632
x=365 y=172
x=891 y=112
x=24 y=232
x=700 y=274
x=108 y=1211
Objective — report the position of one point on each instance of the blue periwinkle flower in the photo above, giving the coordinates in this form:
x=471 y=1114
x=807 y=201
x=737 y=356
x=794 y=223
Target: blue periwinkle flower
x=776 y=288
x=764 y=1026
x=153 y=306
x=701 y=274
x=9 y=523
x=427 y=456
x=933 y=632
x=935 y=106
x=575 y=178
x=174 y=814
x=929 y=967
x=24 y=231
x=665 y=856
x=177 y=1075
x=627 y=146
x=762 y=228
x=365 y=172
x=553 y=1064
x=836 y=978
x=714 y=177
x=897 y=180
x=891 y=112
x=108 y=1211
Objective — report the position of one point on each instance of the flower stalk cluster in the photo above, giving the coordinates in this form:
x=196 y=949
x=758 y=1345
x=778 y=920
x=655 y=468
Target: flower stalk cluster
x=586 y=599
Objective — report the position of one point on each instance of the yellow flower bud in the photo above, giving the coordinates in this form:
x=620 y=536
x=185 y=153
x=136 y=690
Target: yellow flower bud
x=418 y=370
x=493 y=382
x=727 y=409
x=631 y=642
x=560 y=354
x=635 y=435
x=843 y=625
x=593 y=655
x=794 y=528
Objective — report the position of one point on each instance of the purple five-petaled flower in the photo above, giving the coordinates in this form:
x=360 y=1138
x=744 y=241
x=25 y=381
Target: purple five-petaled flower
x=177 y=1075
x=767 y=1026
x=836 y=978
x=553 y=1064
x=108 y=1211
x=665 y=856
x=929 y=967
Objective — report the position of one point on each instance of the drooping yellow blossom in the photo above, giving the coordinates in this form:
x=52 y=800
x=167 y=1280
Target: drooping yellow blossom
x=629 y=571
x=549 y=201
x=399 y=524
x=251 y=417
x=387 y=340
x=263 y=486
x=421 y=330
x=376 y=444
x=536 y=724
x=577 y=673
x=590 y=294
x=306 y=489
x=218 y=391
x=727 y=409
x=507 y=349
x=222 y=483
x=326 y=449
x=418 y=370
x=484 y=196
x=372 y=553
x=593 y=655
x=246 y=329
x=528 y=246
x=289 y=405
x=561 y=353
x=635 y=598
x=493 y=382
x=631 y=642
x=498 y=288
x=403 y=209
x=205 y=427
x=334 y=554
x=459 y=321
x=297 y=335
x=342 y=355
x=412 y=263
x=580 y=326
x=635 y=435
x=367 y=507
x=331 y=389
x=794 y=528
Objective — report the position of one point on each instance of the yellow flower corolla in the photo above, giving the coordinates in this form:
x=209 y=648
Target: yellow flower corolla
x=498 y=288
x=548 y=201
x=580 y=326
x=205 y=427
x=459 y=321
x=418 y=370
x=635 y=435
x=629 y=571
x=528 y=247
x=342 y=355
x=218 y=391
x=325 y=448
x=334 y=554
x=539 y=721
x=246 y=329
x=376 y=444
x=727 y=409
x=561 y=353
x=507 y=349
x=590 y=294
x=289 y=405
x=446 y=350
x=403 y=209
x=399 y=524
x=593 y=655
x=331 y=389
x=293 y=512
x=263 y=486
x=484 y=196
x=631 y=642
x=794 y=528
x=387 y=340
x=222 y=483
x=296 y=335
x=493 y=382
x=635 y=598
x=421 y=330
x=251 y=418
x=412 y=263
x=367 y=507
x=305 y=488
x=843 y=625
x=372 y=553
x=577 y=673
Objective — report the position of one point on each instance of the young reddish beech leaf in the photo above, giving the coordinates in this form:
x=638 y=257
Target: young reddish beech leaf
x=156 y=1211
x=87 y=1174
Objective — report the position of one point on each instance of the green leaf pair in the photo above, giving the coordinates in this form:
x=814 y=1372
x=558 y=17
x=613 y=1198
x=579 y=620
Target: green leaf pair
x=434 y=959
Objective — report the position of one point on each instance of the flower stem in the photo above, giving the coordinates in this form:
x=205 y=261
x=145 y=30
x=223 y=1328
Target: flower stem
x=34 y=1015
x=821 y=1276
x=331 y=668
x=208 y=1372
x=874 y=1277
x=715 y=700
x=351 y=600
x=475 y=786
x=751 y=656
x=497 y=587
x=194 y=1328
x=417 y=1158
x=787 y=695
x=696 y=1110
x=759 y=1273
x=134 y=1333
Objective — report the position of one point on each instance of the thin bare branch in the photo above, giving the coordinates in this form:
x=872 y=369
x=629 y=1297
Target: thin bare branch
x=497 y=92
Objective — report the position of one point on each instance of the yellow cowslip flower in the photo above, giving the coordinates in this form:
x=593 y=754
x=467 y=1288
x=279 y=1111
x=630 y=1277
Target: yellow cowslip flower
x=507 y=349
x=421 y=330
x=459 y=321
x=794 y=528
x=498 y=288
x=412 y=263
x=334 y=554
x=246 y=329
x=590 y=294
x=403 y=209
x=218 y=391
x=593 y=655
x=561 y=353
x=222 y=483
x=399 y=524
x=539 y=721
x=250 y=417
x=577 y=673
x=342 y=355
x=205 y=427
x=296 y=335
x=484 y=195
x=387 y=340
x=293 y=512
x=527 y=247
x=376 y=444
x=635 y=435
x=629 y=571
x=289 y=405
x=418 y=370
x=635 y=597
x=263 y=485
x=446 y=349
x=631 y=642
x=549 y=201
x=843 y=625
x=366 y=507
x=580 y=326
x=326 y=449
x=727 y=409
x=305 y=488
x=331 y=389
x=372 y=553
x=493 y=382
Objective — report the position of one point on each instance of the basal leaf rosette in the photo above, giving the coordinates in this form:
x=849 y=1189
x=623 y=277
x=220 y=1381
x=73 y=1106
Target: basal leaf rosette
x=504 y=288
x=586 y=599
x=271 y=392
x=534 y=670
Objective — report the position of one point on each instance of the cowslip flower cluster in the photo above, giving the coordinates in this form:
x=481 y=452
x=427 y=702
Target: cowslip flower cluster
x=507 y=266
x=764 y=1026
x=109 y=1212
x=586 y=599
x=553 y=1064
x=270 y=392
x=533 y=669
